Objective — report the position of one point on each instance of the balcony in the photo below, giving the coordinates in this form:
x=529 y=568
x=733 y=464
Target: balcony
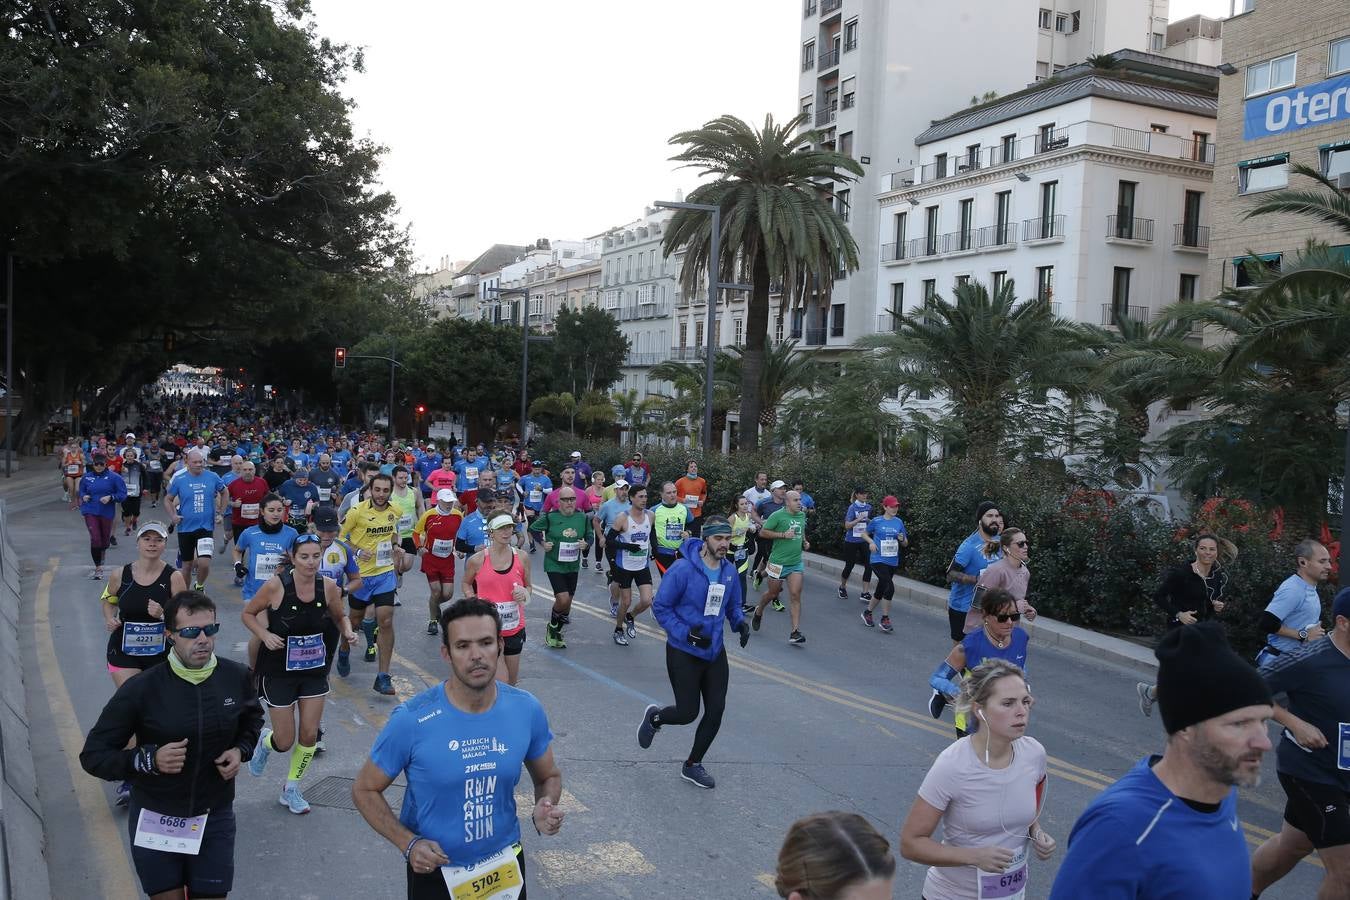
x=829 y=6
x=894 y=253
x=902 y=179
x=888 y=323
x=1129 y=229
x=957 y=242
x=1045 y=228
x=1112 y=314
x=642 y=311
x=826 y=116
x=923 y=248
x=688 y=353
x=828 y=60
x=1191 y=237
x=646 y=359
x=814 y=337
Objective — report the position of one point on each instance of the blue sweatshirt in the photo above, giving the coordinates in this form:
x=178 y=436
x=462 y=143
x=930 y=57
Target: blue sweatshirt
x=96 y=486
x=1139 y=841
x=682 y=600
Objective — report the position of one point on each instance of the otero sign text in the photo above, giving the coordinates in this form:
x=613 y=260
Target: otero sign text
x=1297 y=108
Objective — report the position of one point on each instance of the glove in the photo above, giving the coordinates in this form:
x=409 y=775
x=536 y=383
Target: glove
x=697 y=638
x=240 y=570
x=745 y=634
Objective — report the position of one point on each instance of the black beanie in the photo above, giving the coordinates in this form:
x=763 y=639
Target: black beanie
x=1200 y=677
x=984 y=508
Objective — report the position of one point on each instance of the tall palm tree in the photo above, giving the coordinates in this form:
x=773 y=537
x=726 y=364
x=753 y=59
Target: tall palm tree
x=779 y=225
x=785 y=371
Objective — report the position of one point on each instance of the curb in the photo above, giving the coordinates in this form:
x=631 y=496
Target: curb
x=1046 y=632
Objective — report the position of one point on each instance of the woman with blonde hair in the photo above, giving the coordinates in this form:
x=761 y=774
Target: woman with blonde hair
x=834 y=856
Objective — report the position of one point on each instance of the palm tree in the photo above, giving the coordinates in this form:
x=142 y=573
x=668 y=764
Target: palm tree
x=688 y=379
x=633 y=410
x=779 y=225
x=984 y=356
x=786 y=371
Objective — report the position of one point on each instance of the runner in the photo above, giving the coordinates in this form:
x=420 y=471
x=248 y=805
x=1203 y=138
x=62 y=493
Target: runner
x=1010 y=573
x=692 y=491
x=568 y=478
x=670 y=525
x=453 y=846
x=1000 y=637
x=293 y=664
x=786 y=528
x=1313 y=760
x=371 y=528
x=595 y=494
x=501 y=575
x=533 y=487
x=467 y=473
x=98 y=492
x=972 y=557
x=834 y=854
x=133 y=476
x=855 y=543
x=583 y=468
x=566 y=535
x=776 y=500
x=246 y=495
x=72 y=470
x=988 y=793
x=153 y=458
x=699 y=595
x=326 y=480
x=300 y=497
x=1169 y=828
x=603 y=521
x=473 y=535
x=277 y=472
x=266 y=547
x=631 y=536
x=743 y=529
x=194 y=721
x=434 y=536
x=408 y=503
x=885 y=537
x=194 y=501
x=637 y=472
x=1292 y=618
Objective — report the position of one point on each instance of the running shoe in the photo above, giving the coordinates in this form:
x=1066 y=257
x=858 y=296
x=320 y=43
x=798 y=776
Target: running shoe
x=697 y=775
x=1146 y=698
x=797 y=638
x=432 y=627
x=123 y=793
x=344 y=663
x=65 y=496
x=648 y=728
x=630 y=627
x=553 y=637
x=613 y=609
x=778 y=605
x=585 y=564
x=759 y=580
x=112 y=540
x=154 y=504
x=865 y=596
x=598 y=570
x=318 y=745
x=294 y=801
x=886 y=624
x=843 y=594
x=199 y=586
x=755 y=619
x=620 y=638
x=747 y=608
x=867 y=618
x=936 y=704
x=97 y=574
x=261 y=751
x=384 y=684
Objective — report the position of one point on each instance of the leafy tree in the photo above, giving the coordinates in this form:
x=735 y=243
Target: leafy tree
x=785 y=371
x=589 y=350
x=633 y=410
x=684 y=410
x=849 y=414
x=593 y=411
x=779 y=225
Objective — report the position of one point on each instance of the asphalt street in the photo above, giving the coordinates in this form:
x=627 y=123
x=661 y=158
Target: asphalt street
x=840 y=723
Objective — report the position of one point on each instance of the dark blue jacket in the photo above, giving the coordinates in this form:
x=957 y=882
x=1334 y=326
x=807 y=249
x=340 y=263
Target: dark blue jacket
x=682 y=597
x=96 y=486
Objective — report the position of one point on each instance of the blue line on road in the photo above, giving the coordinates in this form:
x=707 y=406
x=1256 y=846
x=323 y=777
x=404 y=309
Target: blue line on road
x=603 y=679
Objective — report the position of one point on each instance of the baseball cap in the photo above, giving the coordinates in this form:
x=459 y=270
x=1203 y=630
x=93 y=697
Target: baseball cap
x=617 y=470
x=777 y=484
x=620 y=484
x=325 y=519
x=576 y=454
x=158 y=528
x=445 y=495
x=889 y=500
x=502 y=521
x=537 y=462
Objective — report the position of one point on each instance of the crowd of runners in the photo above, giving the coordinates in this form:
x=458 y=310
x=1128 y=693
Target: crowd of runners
x=323 y=525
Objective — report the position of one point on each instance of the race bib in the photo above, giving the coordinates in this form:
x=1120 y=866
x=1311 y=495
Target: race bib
x=155 y=465
x=496 y=878
x=384 y=554
x=442 y=547
x=741 y=554
x=471 y=474
x=690 y=500
x=170 y=834
x=250 y=510
x=510 y=613
x=712 y=603
x=405 y=523
x=206 y=546
x=1343 y=752
x=265 y=565
x=569 y=551
x=304 y=652
x=890 y=547
x=325 y=494
x=674 y=529
x=142 y=638
x=536 y=496
x=774 y=570
x=133 y=490
x=72 y=470
x=860 y=528
x=1010 y=884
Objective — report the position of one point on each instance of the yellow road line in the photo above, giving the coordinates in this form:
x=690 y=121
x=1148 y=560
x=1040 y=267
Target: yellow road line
x=105 y=836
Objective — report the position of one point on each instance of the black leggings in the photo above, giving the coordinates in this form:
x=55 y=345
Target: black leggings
x=857 y=553
x=692 y=677
x=885 y=585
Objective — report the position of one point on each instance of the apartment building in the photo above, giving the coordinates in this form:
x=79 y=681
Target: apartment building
x=1285 y=100
x=476 y=282
x=640 y=287
x=553 y=275
x=1089 y=190
x=876 y=73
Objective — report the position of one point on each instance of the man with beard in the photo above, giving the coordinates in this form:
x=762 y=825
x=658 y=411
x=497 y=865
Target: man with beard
x=1169 y=828
x=975 y=554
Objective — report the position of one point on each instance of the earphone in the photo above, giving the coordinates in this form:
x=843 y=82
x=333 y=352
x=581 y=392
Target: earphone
x=980 y=713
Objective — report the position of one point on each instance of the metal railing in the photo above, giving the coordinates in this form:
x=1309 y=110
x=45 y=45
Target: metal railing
x=826 y=116
x=902 y=179
x=814 y=337
x=646 y=359
x=957 y=241
x=848 y=101
x=894 y=252
x=1128 y=228
x=1191 y=236
x=1002 y=235
x=1112 y=314
x=828 y=60
x=887 y=323
x=1198 y=151
x=829 y=6
x=851 y=45
x=642 y=311
x=688 y=353
x=1043 y=228
x=922 y=248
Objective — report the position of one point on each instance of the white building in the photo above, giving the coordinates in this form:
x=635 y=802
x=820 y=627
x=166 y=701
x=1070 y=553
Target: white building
x=876 y=73
x=1090 y=190
x=639 y=286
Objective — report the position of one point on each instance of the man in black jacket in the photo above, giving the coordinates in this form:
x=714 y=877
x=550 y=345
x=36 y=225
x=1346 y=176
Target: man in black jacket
x=195 y=719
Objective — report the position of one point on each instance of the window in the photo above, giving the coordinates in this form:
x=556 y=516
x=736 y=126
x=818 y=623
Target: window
x=846 y=143
x=848 y=89
x=1335 y=160
x=1045 y=283
x=810 y=8
x=998 y=280
x=698 y=334
x=807 y=104
x=684 y=335
x=967 y=208
x=613 y=299
x=738 y=330
x=929 y=291
x=1042 y=70
x=1247 y=269
x=1062 y=23
x=1007 y=148
x=1046 y=139
x=808 y=55
x=940 y=166
x=898 y=297
x=898 y=235
x=1120 y=294
x=850 y=35
x=1190 y=218
x=1187 y=287
x=1003 y=232
x=1125 y=209
x=973 y=156
x=651 y=263
x=1049 y=196
x=1159 y=42
x=717 y=333
x=1272 y=75
x=778 y=330
x=797 y=315
x=837 y=320
x=961 y=281
x=1044 y=21
x=1157 y=128
x=1200 y=150
x=1339 y=58
x=628 y=268
x=930 y=231
x=1077 y=21
x=1266 y=174
x=646 y=295
x=841 y=204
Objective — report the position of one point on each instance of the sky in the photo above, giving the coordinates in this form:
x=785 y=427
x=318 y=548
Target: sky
x=507 y=121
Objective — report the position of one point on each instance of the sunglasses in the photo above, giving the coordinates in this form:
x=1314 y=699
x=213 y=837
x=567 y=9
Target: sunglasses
x=192 y=631
x=1009 y=617
x=307 y=539
x=1019 y=543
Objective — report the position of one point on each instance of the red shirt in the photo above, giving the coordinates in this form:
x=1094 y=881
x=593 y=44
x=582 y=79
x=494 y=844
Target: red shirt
x=248 y=493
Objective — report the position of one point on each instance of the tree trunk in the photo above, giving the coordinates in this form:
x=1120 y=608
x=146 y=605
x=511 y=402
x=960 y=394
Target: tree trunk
x=752 y=358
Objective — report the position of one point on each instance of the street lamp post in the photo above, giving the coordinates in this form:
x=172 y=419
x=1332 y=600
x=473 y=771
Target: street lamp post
x=392 y=363
x=714 y=284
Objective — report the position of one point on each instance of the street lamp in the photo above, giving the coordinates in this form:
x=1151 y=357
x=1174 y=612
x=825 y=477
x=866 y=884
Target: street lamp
x=714 y=267
x=340 y=357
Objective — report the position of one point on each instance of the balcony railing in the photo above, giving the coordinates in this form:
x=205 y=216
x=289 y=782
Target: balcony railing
x=922 y=248
x=1128 y=228
x=1112 y=314
x=646 y=359
x=1043 y=228
x=828 y=60
x=829 y=6
x=688 y=353
x=826 y=116
x=887 y=323
x=894 y=252
x=814 y=337
x=642 y=311
x=991 y=236
x=902 y=179
x=958 y=241
x=1190 y=236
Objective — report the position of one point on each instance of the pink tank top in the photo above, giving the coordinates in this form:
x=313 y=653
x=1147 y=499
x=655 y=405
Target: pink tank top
x=496 y=587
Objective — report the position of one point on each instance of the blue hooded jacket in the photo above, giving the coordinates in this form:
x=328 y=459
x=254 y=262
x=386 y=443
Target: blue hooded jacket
x=682 y=596
x=93 y=485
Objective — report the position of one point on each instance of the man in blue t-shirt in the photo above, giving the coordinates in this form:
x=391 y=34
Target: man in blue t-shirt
x=194 y=500
x=460 y=746
x=972 y=557
x=534 y=487
x=1169 y=828
x=1293 y=617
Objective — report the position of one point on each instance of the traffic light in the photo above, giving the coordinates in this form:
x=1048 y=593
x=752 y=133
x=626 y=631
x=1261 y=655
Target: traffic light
x=340 y=357
x=421 y=409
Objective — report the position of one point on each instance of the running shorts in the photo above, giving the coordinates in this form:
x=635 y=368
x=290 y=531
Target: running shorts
x=1321 y=811
x=283 y=690
x=187 y=542
x=563 y=582
x=210 y=873
x=626 y=579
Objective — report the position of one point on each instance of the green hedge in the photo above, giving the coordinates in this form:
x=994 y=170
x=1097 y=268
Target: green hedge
x=1094 y=563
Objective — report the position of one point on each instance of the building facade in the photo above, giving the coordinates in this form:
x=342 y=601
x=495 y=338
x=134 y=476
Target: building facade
x=1286 y=101
x=639 y=287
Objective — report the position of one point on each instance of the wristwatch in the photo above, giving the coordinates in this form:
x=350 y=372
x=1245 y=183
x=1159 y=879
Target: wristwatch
x=1303 y=634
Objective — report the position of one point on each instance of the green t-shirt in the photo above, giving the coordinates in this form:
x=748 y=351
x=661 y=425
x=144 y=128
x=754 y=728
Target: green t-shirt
x=568 y=535
x=669 y=524
x=786 y=551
